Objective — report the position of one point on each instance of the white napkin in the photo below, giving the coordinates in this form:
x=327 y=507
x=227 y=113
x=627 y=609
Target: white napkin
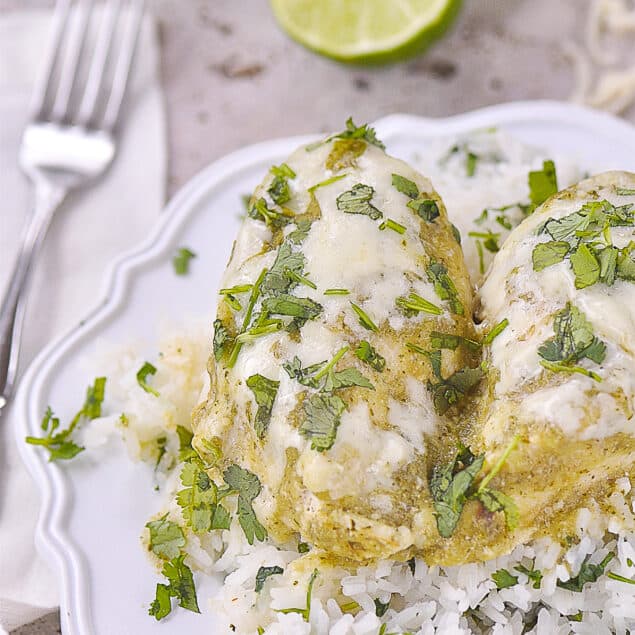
x=92 y=228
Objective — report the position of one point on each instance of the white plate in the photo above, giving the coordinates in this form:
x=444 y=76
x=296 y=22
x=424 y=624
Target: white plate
x=93 y=511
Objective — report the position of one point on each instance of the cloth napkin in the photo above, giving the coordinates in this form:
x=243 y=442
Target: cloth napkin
x=91 y=229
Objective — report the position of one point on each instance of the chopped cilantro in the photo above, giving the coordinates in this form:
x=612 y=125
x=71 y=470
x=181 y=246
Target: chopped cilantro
x=181 y=586
x=364 y=319
x=381 y=607
x=449 y=485
x=588 y=573
x=394 y=225
x=271 y=217
x=337 y=292
x=222 y=340
x=289 y=305
x=199 y=500
x=451 y=341
x=370 y=356
x=305 y=612
x=265 y=391
x=364 y=132
x=303 y=547
x=549 y=253
x=495 y=332
x=623 y=191
x=280 y=277
x=60 y=444
x=181 y=261
x=264 y=573
x=247 y=486
x=534 y=575
x=450 y=390
x=332 y=179
x=573 y=341
x=616 y=576
x=142 y=375
x=489 y=238
x=166 y=538
x=357 y=201
x=585 y=265
x=239 y=288
x=542 y=183
x=414 y=304
x=186 y=451
x=405 y=186
x=471 y=160
x=279 y=188
x=323 y=412
x=425 y=208
x=444 y=287
x=504 y=579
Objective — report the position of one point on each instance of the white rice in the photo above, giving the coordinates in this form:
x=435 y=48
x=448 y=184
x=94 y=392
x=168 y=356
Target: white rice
x=422 y=599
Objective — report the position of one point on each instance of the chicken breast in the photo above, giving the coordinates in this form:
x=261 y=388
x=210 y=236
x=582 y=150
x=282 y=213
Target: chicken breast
x=321 y=381
x=561 y=381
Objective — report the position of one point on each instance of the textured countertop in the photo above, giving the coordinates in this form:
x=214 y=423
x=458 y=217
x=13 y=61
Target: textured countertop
x=232 y=78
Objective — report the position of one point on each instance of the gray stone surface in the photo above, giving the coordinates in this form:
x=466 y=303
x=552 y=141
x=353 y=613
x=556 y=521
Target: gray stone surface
x=232 y=78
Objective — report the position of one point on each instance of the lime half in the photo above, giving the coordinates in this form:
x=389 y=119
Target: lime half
x=365 y=31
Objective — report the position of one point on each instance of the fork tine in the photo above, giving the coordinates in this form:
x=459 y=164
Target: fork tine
x=123 y=65
x=70 y=66
x=98 y=63
x=45 y=74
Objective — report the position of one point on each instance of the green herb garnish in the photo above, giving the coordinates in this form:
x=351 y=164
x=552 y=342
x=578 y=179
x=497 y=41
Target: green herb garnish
x=247 y=486
x=332 y=179
x=181 y=261
x=394 y=225
x=181 y=586
x=166 y=538
x=265 y=391
x=495 y=332
x=279 y=188
x=142 y=375
x=323 y=413
x=264 y=573
x=588 y=573
x=549 y=253
x=271 y=217
x=381 y=607
x=405 y=186
x=370 y=356
x=617 y=576
x=364 y=132
x=504 y=579
x=289 y=305
x=542 y=183
x=305 y=612
x=534 y=575
x=444 y=287
x=364 y=319
x=59 y=443
x=414 y=304
x=337 y=292
x=222 y=340
x=357 y=201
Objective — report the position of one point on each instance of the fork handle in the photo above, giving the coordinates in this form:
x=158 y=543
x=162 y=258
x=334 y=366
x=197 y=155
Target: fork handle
x=47 y=199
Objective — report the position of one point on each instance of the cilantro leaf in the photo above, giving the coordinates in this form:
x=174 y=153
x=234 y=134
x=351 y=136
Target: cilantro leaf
x=264 y=573
x=550 y=253
x=370 y=356
x=60 y=444
x=381 y=607
x=247 y=485
x=414 y=304
x=186 y=451
x=449 y=485
x=142 y=375
x=504 y=579
x=588 y=573
x=271 y=217
x=162 y=605
x=279 y=188
x=364 y=318
x=542 y=183
x=389 y=223
x=607 y=258
x=449 y=391
x=574 y=339
x=166 y=538
x=534 y=575
x=357 y=201
x=495 y=501
x=265 y=391
x=305 y=612
x=444 y=287
x=365 y=132
x=585 y=266
x=405 y=186
x=323 y=413
x=279 y=278
x=451 y=341
x=181 y=261
x=181 y=585
x=285 y=304
x=325 y=182
x=344 y=154
x=425 y=208
x=346 y=379
x=626 y=263
x=222 y=339
x=495 y=332
x=623 y=191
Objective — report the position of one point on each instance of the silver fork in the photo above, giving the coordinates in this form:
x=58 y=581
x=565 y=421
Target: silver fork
x=70 y=139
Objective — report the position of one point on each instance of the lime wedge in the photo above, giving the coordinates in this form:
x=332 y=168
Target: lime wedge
x=365 y=31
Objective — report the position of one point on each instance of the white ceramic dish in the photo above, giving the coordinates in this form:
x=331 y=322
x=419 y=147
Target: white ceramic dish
x=93 y=508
